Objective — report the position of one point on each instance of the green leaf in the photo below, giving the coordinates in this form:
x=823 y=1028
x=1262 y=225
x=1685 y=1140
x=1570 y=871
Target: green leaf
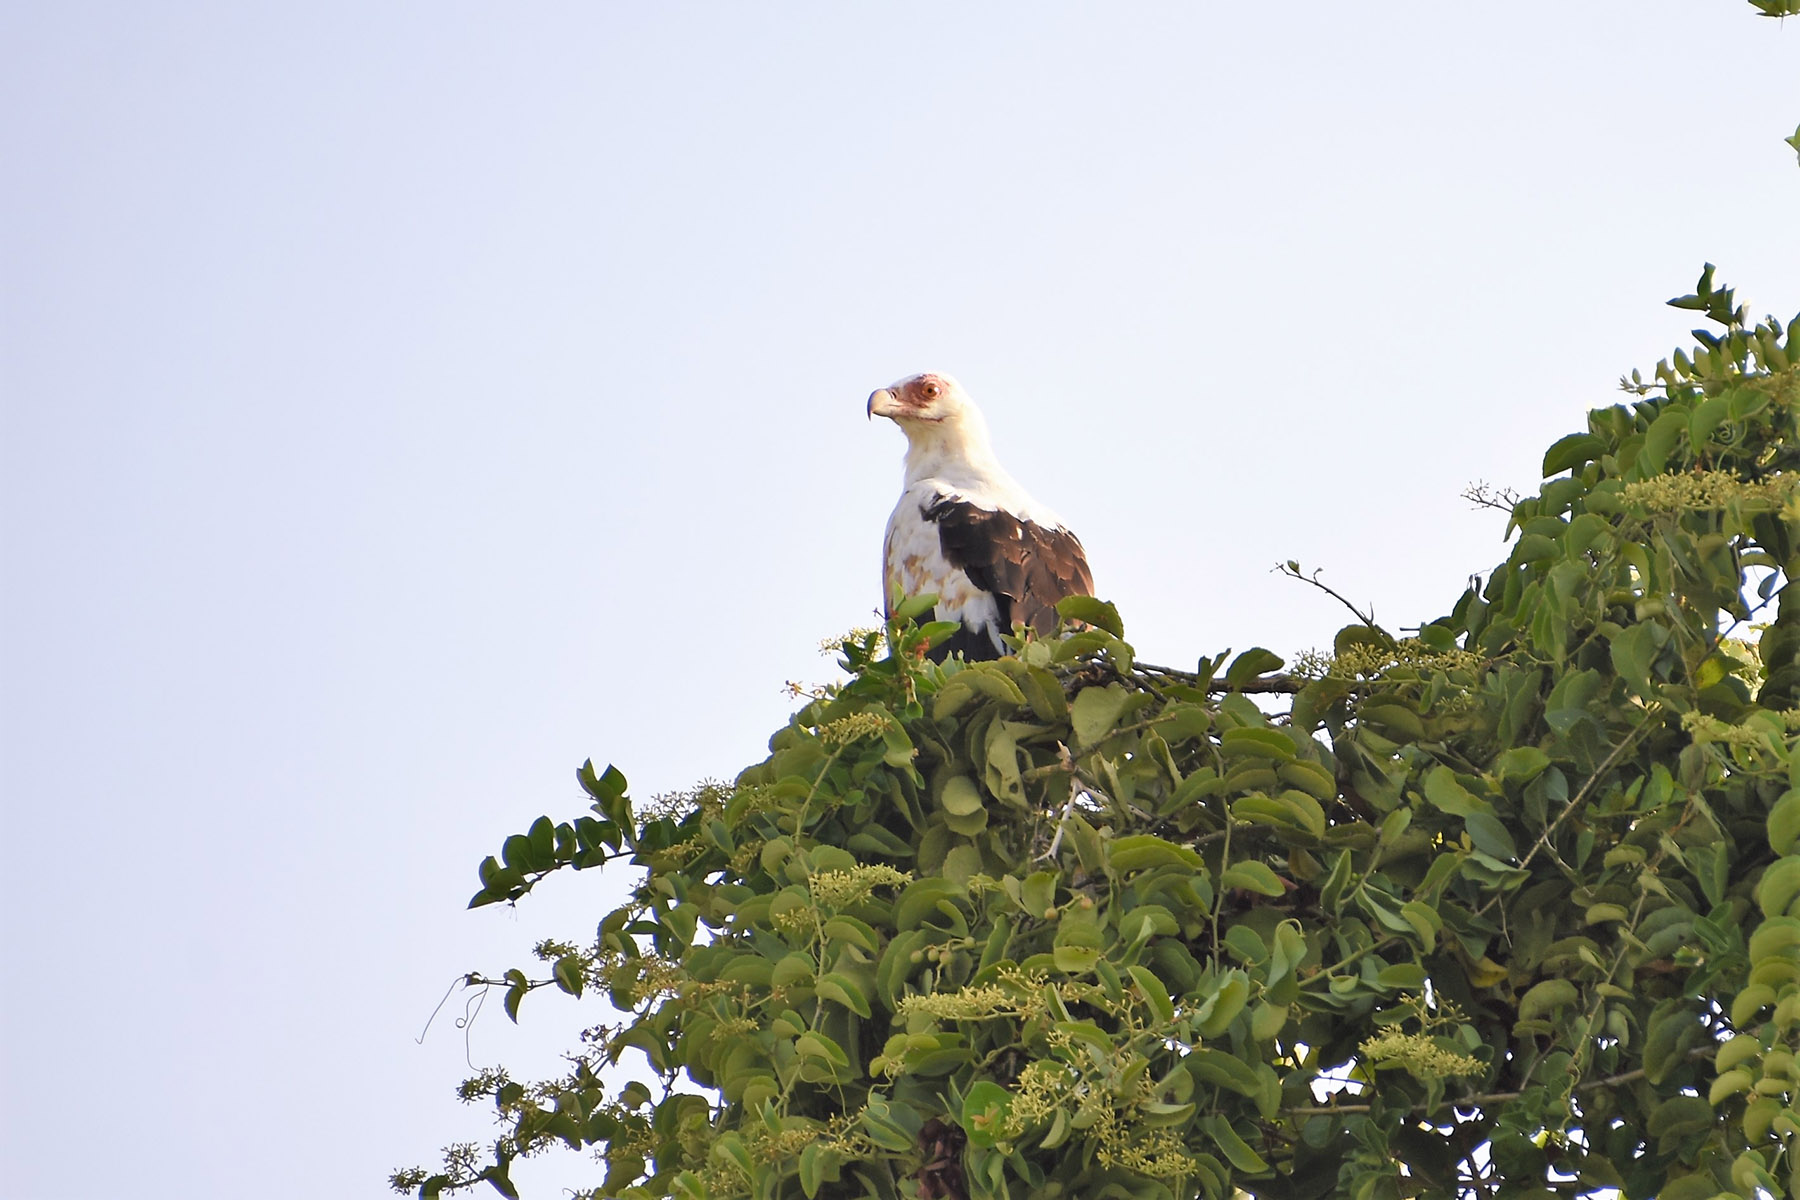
x=1287 y=950
x=813 y=1044
x=991 y=681
x=1521 y=763
x=1095 y=711
x=1445 y=792
x=1708 y=415
x=1660 y=440
x=795 y=967
x=1572 y=451
x=1424 y=920
x=1220 y=1069
x=1183 y=722
x=961 y=797
x=818 y=1166
x=1092 y=641
x=1252 y=876
x=1251 y=664
x=608 y=787
x=1233 y=1147
x=1406 y=977
x=1255 y=742
x=1098 y=613
x=497 y=1176
x=848 y=930
x=878 y=840
x=1141 y=851
x=569 y=975
x=842 y=989
x=1547 y=998
x=1002 y=774
x=921 y=899
x=1784 y=820
x=1490 y=836
x=1159 y=1112
x=985 y=1109
x=1247 y=944
x=1331 y=894
x=1075 y=960
x=1223 y=1007
x=888 y=1126
x=1155 y=994
x=1746 y=402
x=1679 y=1115
x=1090 y=1033
x=962 y=864
x=1395 y=719
x=1309 y=777
x=914 y=607
x=1634 y=650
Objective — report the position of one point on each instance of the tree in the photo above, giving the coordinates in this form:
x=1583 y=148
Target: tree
x=1509 y=907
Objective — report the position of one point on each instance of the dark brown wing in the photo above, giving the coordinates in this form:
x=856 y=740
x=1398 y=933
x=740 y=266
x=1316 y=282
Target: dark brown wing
x=1028 y=567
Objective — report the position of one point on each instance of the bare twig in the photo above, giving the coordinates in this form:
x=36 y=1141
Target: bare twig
x=1483 y=494
x=1292 y=570
x=1063 y=763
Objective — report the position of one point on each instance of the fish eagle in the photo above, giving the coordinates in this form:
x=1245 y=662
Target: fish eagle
x=965 y=531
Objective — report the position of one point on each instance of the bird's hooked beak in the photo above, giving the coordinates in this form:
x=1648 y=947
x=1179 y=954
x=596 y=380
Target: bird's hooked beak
x=883 y=402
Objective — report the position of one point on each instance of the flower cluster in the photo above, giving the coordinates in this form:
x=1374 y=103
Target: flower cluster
x=968 y=1004
x=857 y=634
x=1421 y=1055
x=840 y=889
x=1701 y=490
x=853 y=728
x=1706 y=729
x=1157 y=1153
x=709 y=796
x=1368 y=661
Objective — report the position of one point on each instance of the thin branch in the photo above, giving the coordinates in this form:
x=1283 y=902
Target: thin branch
x=1292 y=570
x=1283 y=684
x=1171 y=672
x=1063 y=763
x=1483 y=494
x=1575 y=801
x=1651 y=711
x=1326 y=1110
x=1286 y=684
x=1326 y=974
x=1482 y=1184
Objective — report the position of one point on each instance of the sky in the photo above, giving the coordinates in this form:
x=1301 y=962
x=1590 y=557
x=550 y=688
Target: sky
x=402 y=403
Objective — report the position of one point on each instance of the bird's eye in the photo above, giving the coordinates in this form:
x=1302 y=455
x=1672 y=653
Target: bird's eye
x=931 y=391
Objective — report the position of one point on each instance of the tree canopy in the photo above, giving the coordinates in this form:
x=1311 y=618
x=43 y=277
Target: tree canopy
x=1506 y=905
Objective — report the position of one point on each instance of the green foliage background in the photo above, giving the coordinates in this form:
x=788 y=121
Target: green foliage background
x=1509 y=907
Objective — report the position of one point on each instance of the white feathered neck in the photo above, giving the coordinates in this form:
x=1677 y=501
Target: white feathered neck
x=954 y=456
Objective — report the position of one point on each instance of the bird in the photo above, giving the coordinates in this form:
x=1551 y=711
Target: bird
x=965 y=531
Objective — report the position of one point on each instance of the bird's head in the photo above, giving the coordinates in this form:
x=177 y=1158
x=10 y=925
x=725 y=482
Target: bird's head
x=930 y=398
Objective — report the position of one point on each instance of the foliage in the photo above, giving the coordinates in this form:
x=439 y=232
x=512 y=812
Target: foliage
x=1508 y=907
x=1776 y=8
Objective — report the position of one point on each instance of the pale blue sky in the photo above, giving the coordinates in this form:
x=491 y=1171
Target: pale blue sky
x=404 y=402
